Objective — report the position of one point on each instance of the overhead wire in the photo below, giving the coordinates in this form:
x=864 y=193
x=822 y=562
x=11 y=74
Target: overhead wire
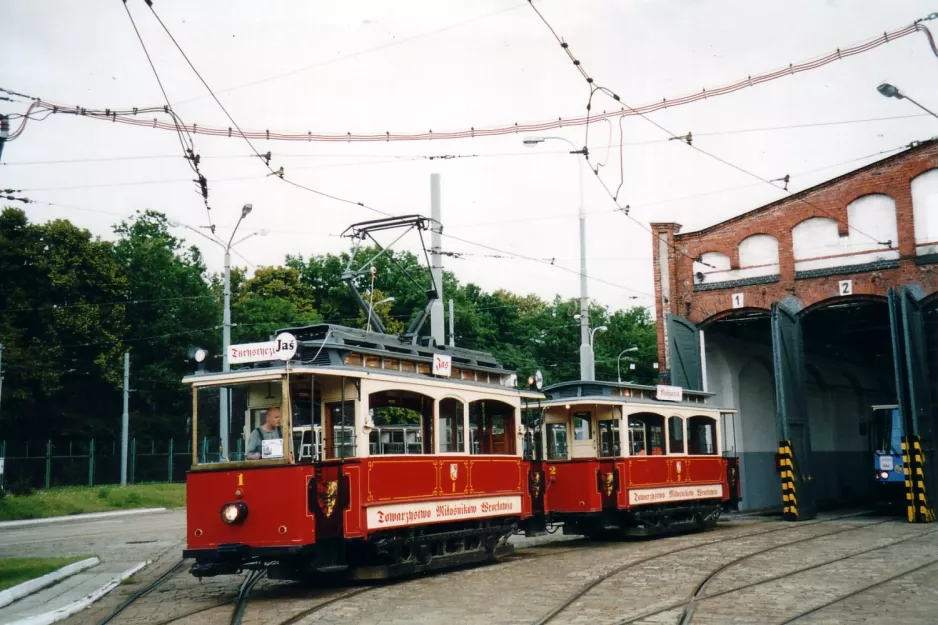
x=278 y=173
x=185 y=139
x=594 y=87
x=345 y=57
x=128 y=117
x=417 y=157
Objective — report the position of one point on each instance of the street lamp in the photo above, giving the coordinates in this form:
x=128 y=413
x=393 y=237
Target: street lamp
x=371 y=308
x=891 y=91
x=587 y=366
x=226 y=317
x=592 y=356
x=622 y=353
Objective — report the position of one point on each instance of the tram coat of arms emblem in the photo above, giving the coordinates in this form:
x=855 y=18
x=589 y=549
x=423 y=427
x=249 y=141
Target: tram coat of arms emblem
x=609 y=483
x=678 y=467
x=328 y=497
x=453 y=471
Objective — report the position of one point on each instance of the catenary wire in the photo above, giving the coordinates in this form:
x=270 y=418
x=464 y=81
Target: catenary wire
x=594 y=87
x=185 y=140
x=273 y=172
x=514 y=128
x=418 y=157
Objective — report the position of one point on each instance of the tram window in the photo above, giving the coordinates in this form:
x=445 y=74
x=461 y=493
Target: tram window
x=400 y=418
x=702 y=436
x=340 y=441
x=248 y=403
x=636 y=437
x=582 y=426
x=608 y=438
x=451 y=426
x=556 y=441
x=675 y=435
x=491 y=428
x=646 y=434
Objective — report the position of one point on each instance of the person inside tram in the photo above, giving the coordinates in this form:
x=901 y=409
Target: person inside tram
x=269 y=430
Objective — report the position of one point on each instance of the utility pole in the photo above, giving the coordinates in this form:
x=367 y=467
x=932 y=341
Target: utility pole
x=452 y=325
x=125 y=420
x=4 y=131
x=1 y=372
x=225 y=365
x=587 y=360
x=437 y=321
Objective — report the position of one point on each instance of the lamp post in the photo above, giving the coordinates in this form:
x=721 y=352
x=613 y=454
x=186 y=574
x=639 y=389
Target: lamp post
x=371 y=309
x=592 y=355
x=587 y=366
x=891 y=91
x=622 y=353
x=226 y=318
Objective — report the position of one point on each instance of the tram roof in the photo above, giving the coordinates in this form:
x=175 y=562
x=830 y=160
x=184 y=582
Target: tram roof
x=328 y=348
x=597 y=391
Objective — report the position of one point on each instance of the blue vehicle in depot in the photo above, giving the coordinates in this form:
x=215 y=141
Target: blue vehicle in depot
x=887 y=453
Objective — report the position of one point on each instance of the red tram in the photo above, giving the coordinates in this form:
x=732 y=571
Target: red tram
x=630 y=459
x=452 y=493
x=420 y=459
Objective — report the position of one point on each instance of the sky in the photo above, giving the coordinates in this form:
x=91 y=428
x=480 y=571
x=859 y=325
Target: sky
x=369 y=66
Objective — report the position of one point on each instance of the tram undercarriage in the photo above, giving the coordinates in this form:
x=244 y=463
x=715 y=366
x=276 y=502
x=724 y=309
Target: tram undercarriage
x=644 y=520
x=384 y=555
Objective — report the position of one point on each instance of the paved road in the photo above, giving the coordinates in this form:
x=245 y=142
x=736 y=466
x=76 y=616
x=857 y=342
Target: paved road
x=806 y=566
x=119 y=542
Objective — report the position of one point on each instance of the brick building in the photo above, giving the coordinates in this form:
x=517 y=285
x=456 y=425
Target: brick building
x=796 y=314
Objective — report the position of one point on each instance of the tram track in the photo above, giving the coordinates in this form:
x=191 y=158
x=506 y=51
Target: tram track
x=561 y=607
x=858 y=591
x=143 y=592
x=686 y=616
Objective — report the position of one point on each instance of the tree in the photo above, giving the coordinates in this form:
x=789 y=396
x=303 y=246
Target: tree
x=62 y=328
x=172 y=308
x=272 y=299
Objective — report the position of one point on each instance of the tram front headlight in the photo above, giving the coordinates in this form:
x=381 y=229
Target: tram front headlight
x=884 y=475
x=232 y=513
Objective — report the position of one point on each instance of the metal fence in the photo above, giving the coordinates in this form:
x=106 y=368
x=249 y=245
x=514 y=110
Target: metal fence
x=86 y=463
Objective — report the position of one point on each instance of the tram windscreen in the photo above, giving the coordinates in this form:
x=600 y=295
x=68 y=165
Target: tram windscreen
x=887 y=430
x=254 y=419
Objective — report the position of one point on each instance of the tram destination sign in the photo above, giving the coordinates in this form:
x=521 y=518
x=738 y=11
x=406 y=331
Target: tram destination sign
x=669 y=393
x=283 y=347
x=442 y=364
x=394 y=515
x=638 y=496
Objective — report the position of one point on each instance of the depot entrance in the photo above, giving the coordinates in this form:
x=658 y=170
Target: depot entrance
x=810 y=378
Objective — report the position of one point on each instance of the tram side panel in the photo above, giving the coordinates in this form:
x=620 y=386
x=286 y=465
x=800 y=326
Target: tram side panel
x=398 y=492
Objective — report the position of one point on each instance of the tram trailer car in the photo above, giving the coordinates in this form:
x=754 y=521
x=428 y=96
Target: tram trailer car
x=627 y=459
x=355 y=506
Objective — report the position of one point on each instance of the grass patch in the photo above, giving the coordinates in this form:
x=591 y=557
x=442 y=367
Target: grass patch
x=15 y=571
x=82 y=499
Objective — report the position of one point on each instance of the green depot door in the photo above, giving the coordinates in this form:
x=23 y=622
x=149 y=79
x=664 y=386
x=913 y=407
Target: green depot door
x=791 y=418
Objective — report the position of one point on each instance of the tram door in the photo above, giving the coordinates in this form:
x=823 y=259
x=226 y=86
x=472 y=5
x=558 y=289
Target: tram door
x=608 y=477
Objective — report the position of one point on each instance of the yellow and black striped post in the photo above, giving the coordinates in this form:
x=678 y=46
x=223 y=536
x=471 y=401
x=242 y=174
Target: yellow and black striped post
x=786 y=468
x=913 y=466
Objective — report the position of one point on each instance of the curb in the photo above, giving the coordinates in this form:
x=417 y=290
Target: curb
x=79 y=517
x=19 y=591
x=76 y=606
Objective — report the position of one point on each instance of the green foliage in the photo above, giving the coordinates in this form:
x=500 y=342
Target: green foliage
x=273 y=298
x=14 y=571
x=81 y=499
x=73 y=304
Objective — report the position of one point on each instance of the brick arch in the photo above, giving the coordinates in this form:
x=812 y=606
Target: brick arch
x=866 y=193
x=824 y=302
x=732 y=312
